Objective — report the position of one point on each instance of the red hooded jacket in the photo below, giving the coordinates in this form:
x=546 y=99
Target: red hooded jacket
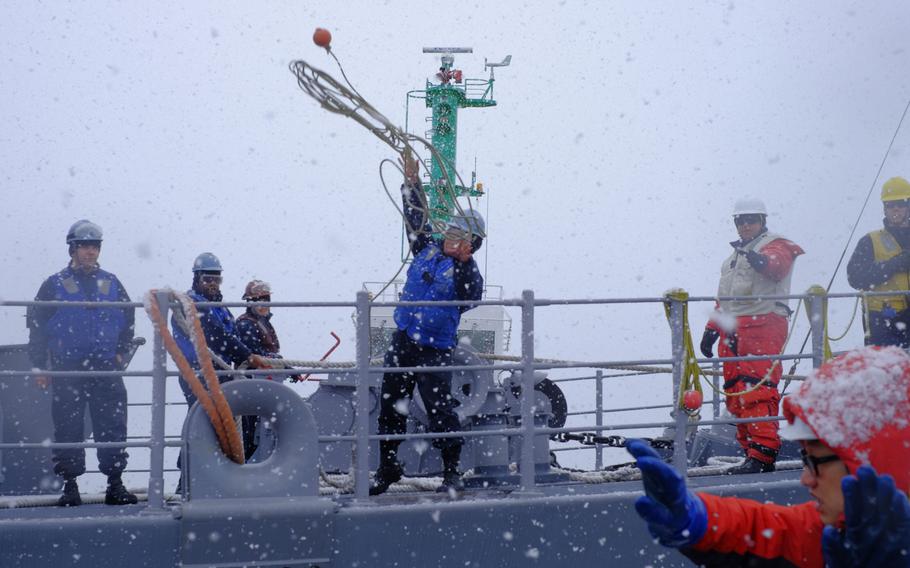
x=857 y=404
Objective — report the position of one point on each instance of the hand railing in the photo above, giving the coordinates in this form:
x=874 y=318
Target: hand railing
x=157 y=440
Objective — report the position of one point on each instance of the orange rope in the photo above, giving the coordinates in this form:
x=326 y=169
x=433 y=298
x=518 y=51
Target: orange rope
x=212 y=399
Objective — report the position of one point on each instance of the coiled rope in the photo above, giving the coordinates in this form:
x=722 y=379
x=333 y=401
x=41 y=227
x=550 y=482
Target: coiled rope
x=339 y=99
x=347 y=101
x=212 y=398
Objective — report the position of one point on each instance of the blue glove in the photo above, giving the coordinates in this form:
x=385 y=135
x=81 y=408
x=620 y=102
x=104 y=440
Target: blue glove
x=877 y=528
x=676 y=517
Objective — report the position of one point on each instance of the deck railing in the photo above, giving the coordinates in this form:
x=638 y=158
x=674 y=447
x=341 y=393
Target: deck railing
x=157 y=440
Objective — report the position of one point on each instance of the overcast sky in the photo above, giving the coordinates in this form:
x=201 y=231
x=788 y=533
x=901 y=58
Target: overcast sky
x=624 y=133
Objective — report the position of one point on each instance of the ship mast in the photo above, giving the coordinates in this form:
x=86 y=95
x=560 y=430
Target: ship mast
x=449 y=93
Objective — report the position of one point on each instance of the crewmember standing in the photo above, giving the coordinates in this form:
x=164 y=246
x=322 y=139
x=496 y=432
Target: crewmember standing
x=254 y=326
x=85 y=339
x=761 y=265
x=217 y=324
x=443 y=270
x=255 y=330
x=881 y=262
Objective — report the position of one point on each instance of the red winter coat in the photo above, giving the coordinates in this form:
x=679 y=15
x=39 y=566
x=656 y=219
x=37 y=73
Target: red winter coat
x=748 y=533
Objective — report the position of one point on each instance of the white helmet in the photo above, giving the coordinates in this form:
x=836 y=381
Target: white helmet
x=750 y=206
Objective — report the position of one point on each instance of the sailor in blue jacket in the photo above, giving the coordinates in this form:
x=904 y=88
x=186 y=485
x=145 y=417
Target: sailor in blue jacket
x=217 y=324
x=442 y=270
x=84 y=339
x=219 y=329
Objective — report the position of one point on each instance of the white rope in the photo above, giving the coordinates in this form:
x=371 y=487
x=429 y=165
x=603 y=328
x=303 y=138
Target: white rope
x=339 y=99
x=636 y=368
x=288 y=363
x=334 y=484
x=20 y=501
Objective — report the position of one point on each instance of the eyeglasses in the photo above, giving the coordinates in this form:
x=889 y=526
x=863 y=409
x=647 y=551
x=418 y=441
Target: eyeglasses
x=812 y=462
x=260 y=299
x=456 y=234
x=211 y=279
x=748 y=219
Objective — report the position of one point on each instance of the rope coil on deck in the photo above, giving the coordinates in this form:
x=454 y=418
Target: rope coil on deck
x=212 y=398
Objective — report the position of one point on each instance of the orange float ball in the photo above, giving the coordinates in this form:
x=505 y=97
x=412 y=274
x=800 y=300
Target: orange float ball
x=322 y=37
x=692 y=400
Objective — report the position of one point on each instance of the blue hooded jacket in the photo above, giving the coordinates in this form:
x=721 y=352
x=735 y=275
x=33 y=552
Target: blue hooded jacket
x=433 y=276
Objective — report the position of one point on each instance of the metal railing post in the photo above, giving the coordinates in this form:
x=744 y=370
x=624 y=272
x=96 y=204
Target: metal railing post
x=527 y=391
x=815 y=306
x=362 y=405
x=599 y=418
x=715 y=396
x=159 y=397
x=680 y=460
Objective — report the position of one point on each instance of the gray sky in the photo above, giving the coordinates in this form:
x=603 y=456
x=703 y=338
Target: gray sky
x=625 y=132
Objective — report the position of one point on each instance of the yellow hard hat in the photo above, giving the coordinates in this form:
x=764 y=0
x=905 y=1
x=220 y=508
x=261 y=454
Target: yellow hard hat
x=896 y=189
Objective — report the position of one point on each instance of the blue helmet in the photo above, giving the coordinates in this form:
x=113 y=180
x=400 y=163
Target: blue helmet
x=82 y=231
x=206 y=262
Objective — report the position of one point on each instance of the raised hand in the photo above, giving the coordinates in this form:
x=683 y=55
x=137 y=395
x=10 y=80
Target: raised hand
x=877 y=524
x=676 y=517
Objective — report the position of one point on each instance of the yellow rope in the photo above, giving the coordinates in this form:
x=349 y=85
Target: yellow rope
x=691 y=372
x=850 y=324
x=765 y=380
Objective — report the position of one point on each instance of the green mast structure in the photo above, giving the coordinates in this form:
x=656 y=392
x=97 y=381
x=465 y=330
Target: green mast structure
x=451 y=93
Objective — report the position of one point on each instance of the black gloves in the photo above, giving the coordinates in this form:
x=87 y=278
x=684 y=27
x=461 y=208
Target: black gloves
x=707 y=342
x=900 y=263
x=757 y=261
x=710 y=336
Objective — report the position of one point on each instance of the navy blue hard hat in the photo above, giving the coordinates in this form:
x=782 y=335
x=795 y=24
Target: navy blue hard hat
x=206 y=262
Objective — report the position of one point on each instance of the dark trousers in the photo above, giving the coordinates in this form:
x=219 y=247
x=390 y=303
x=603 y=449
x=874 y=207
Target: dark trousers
x=106 y=400
x=435 y=390
x=889 y=330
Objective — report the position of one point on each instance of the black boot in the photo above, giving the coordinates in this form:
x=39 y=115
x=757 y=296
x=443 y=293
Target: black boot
x=117 y=494
x=451 y=479
x=389 y=470
x=751 y=465
x=70 y=497
x=387 y=474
